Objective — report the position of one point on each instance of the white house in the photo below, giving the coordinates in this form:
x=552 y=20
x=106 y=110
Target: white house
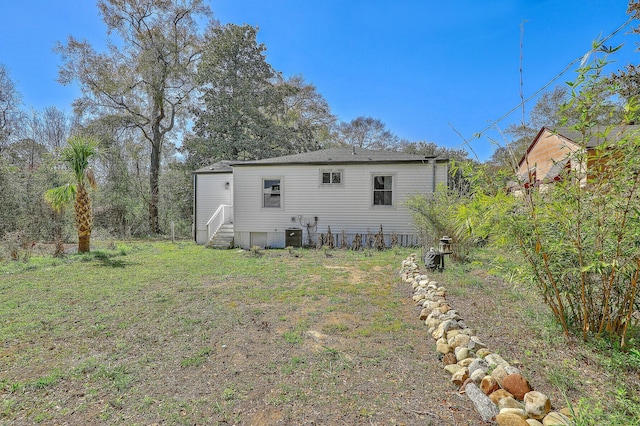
x=213 y=187
x=291 y=200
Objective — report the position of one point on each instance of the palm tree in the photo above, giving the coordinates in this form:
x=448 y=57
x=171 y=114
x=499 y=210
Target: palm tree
x=77 y=154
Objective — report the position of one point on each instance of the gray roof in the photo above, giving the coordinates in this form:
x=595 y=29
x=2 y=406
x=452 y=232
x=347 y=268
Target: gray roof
x=219 y=167
x=595 y=134
x=341 y=156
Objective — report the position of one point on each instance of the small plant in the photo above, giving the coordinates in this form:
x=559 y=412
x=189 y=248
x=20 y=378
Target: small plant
x=229 y=394
x=255 y=251
x=357 y=243
x=292 y=337
x=198 y=359
x=378 y=242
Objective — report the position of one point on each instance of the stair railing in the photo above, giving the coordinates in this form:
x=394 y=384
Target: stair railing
x=223 y=214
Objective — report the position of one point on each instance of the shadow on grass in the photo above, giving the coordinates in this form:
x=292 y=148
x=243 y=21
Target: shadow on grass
x=106 y=259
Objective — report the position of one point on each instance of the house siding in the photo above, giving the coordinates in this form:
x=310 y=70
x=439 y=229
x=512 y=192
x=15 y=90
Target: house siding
x=548 y=149
x=210 y=192
x=346 y=206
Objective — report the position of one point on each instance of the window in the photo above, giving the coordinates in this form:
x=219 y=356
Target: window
x=332 y=177
x=382 y=190
x=271 y=192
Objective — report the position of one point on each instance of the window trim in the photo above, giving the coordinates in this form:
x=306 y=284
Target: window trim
x=280 y=191
x=392 y=190
x=331 y=172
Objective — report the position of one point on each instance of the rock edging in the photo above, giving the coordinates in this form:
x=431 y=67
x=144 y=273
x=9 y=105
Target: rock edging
x=498 y=390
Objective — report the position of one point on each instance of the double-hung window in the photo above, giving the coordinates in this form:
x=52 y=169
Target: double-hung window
x=271 y=193
x=382 y=190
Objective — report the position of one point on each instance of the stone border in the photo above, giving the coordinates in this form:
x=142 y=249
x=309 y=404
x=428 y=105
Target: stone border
x=498 y=390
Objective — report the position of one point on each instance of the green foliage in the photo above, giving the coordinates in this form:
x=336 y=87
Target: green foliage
x=581 y=236
x=247 y=110
x=445 y=213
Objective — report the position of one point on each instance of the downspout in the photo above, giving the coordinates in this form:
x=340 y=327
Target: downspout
x=195 y=210
x=433 y=162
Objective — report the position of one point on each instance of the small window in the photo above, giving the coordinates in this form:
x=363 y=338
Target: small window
x=382 y=190
x=331 y=177
x=271 y=192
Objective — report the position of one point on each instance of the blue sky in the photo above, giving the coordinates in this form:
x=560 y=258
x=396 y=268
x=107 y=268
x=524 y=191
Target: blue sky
x=422 y=67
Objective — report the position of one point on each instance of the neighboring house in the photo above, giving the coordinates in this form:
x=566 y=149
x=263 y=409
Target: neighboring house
x=553 y=152
x=277 y=202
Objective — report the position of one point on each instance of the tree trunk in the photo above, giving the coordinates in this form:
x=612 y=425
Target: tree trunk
x=154 y=183
x=84 y=243
x=84 y=219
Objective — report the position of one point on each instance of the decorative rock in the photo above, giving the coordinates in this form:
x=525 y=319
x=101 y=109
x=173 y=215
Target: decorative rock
x=475 y=343
x=510 y=419
x=567 y=412
x=536 y=404
x=444 y=327
x=498 y=395
x=443 y=348
x=510 y=402
x=459 y=340
x=466 y=362
x=444 y=308
x=483 y=404
x=482 y=353
x=489 y=385
x=478 y=364
x=430 y=305
x=449 y=359
x=534 y=422
x=463 y=388
x=424 y=314
x=516 y=385
x=511 y=369
x=499 y=374
x=418 y=297
x=477 y=375
x=462 y=353
x=460 y=376
x=517 y=411
x=495 y=360
x=555 y=418
x=453 y=315
x=453 y=333
x=453 y=368
x=432 y=322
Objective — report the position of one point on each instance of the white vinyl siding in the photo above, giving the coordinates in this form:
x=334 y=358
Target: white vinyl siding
x=212 y=190
x=347 y=206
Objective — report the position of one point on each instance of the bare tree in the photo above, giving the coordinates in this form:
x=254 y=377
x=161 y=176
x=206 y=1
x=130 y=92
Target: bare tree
x=367 y=132
x=9 y=107
x=146 y=79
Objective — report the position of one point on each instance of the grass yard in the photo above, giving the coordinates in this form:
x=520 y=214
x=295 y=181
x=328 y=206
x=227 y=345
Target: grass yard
x=173 y=333
x=146 y=333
